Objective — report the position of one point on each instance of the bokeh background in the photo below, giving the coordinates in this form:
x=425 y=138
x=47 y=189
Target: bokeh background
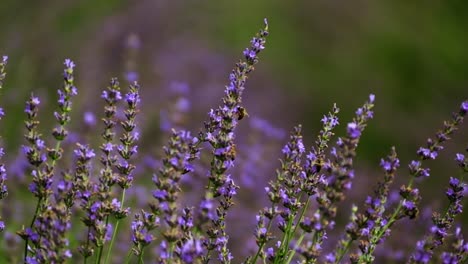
x=412 y=56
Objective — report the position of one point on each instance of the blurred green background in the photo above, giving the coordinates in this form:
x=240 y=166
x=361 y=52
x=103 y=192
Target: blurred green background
x=412 y=55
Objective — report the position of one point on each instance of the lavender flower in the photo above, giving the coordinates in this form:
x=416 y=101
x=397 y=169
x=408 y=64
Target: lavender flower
x=459 y=250
x=65 y=105
x=3 y=175
x=340 y=174
x=128 y=148
x=33 y=152
x=220 y=135
x=190 y=250
x=441 y=223
x=108 y=158
x=407 y=206
x=3 y=64
x=3 y=187
x=48 y=236
x=43 y=175
x=362 y=223
x=84 y=190
x=142 y=225
x=180 y=152
x=293 y=181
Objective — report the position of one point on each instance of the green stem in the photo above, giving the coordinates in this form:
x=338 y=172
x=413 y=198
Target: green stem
x=170 y=252
x=284 y=245
x=99 y=256
x=140 y=258
x=101 y=248
x=87 y=245
x=304 y=209
x=263 y=244
x=129 y=255
x=30 y=226
x=114 y=233
x=345 y=250
x=38 y=206
x=299 y=241
x=382 y=231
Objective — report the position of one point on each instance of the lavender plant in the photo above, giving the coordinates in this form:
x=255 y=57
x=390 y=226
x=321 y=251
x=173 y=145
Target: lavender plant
x=82 y=200
x=3 y=187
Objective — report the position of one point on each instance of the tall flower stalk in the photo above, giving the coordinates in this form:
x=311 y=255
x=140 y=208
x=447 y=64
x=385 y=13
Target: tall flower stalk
x=362 y=222
x=107 y=177
x=219 y=133
x=295 y=185
x=3 y=175
x=127 y=149
x=339 y=174
x=44 y=165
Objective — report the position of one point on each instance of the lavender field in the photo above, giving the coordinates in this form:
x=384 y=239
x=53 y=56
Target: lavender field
x=129 y=139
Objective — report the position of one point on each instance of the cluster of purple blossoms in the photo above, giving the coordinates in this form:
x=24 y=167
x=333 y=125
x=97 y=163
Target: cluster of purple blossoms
x=290 y=195
x=178 y=155
x=219 y=134
x=410 y=196
x=442 y=223
x=284 y=194
x=44 y=159
x=101 y=205
x=362 y=223
x=108 y=178
x=339 y=174
x=48 y=236
x=459 y=250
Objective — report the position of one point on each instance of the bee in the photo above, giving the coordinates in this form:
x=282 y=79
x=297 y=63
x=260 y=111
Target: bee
x=317 y=165
x=241 y=113
x=232 y=151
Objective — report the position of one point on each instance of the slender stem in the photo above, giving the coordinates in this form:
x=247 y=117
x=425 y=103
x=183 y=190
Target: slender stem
x=38 y=206
x=304 y=209
x=114 y=233
x=260 y=247
x=299 y=241
x=128 y=257
x=98 y=258
x=101 y=247
x=343 y=253
x=379 y=235
x=171 y=252
x=140 y=258
x=87 y=245
x=284 y=243
x=30 y=226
